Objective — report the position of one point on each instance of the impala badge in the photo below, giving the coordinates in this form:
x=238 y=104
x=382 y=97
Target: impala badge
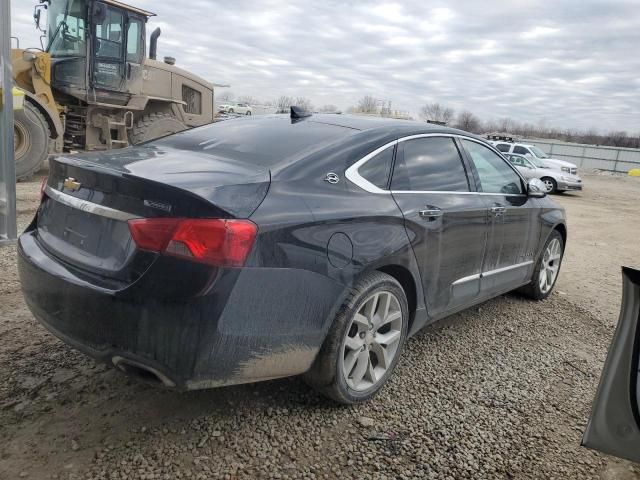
x=71 y=184
x=332 y=178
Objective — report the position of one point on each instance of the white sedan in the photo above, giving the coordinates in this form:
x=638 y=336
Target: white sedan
x=554 y=180
x=239 y=108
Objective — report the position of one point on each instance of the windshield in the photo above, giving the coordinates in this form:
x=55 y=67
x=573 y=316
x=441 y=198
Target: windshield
x=66 y=32
x=538 y=153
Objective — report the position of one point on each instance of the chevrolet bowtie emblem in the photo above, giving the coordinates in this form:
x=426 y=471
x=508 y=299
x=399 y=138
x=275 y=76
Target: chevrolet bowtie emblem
x=71 y=184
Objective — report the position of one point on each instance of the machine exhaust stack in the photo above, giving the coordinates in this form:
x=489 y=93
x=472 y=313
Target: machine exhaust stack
x=153 y=43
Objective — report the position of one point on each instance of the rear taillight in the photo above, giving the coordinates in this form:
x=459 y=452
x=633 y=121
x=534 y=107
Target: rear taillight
x=223 y=243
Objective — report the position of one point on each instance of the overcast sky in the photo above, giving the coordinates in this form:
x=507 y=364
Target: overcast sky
x=572 y=64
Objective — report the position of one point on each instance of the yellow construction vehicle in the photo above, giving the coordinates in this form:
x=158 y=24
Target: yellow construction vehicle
x=94 y=87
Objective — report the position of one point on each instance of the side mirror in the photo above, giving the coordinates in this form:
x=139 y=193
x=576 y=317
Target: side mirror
x=37 y=14
x=536 y=188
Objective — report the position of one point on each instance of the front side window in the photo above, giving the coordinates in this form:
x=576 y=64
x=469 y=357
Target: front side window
x=377 y=169
x=109 y=35
x=521 y=150
x=429 y=164
x=539 y=153
x=520 y=161
x=495 y=175
x=503 y=147
x=66 y=28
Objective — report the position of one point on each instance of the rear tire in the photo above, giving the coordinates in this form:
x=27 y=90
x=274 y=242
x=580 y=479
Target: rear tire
x=31 y=137
x=364 y=343
x=547 y=268
x=154 y=125
x=248 y=113
x=551 y=184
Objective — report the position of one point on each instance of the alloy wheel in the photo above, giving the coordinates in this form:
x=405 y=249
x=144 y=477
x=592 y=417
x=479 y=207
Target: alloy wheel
x=548 y=183
x=372 y=340
x=550 y=265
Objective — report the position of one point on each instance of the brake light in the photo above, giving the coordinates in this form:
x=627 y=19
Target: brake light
x=43 y=185
x=219 y=242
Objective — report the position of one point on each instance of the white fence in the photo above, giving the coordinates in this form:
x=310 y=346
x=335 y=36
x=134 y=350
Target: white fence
x=613 y=159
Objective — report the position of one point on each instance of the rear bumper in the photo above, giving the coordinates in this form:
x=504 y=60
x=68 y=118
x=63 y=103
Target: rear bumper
x=247 y=325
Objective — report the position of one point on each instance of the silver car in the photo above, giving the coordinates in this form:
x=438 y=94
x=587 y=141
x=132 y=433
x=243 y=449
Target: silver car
x=554 y=180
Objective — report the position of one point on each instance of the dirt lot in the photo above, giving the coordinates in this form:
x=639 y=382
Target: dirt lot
x=499 y=391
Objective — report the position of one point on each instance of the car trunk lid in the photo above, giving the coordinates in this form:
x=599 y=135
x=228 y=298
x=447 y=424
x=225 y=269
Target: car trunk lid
x=89 y=199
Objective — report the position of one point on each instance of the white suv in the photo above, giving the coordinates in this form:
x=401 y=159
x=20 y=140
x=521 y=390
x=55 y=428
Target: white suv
x=240 y=108
x=531 y=151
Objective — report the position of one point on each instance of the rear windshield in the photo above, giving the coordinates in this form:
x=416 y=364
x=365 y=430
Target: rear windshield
x=264 y=141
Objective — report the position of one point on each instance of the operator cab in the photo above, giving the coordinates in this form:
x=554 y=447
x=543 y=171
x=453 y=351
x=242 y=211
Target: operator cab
x=97 y=48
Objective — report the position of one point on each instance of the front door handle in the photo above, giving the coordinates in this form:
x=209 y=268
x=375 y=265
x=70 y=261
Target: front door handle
x=498 y=210
x=431 y=212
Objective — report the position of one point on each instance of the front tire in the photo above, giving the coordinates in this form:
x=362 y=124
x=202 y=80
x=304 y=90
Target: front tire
x=248 y=112
x=154 y=125
x=551 y=184
x=547 y=268
x=31 y=138
x=364 y=343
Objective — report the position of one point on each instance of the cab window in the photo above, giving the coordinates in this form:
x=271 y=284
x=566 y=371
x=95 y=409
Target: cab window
x=496 y=176
x=109 y=35
x=135 y=44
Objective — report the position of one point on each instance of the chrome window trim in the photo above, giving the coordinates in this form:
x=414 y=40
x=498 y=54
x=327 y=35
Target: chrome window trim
x=353 y=175
x=87 y=206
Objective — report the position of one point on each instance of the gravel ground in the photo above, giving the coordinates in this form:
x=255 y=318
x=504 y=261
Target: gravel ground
x=499 y=391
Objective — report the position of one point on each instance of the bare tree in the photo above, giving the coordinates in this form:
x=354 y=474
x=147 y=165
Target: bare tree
x=468 y=121
x=436 y=112
x=283 y=103
x=304 y=104
x=248 y=99
x=367 y=104
x=329 y=108
x=225 y=96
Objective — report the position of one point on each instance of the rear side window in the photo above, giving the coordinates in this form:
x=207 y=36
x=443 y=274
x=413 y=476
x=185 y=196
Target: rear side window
x=377 y=169
x=429 y=164
x=503 y=147
x=521 y=150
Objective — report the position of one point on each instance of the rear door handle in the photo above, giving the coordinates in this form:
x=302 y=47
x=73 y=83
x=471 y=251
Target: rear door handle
x=431 y=212
x=498 y=210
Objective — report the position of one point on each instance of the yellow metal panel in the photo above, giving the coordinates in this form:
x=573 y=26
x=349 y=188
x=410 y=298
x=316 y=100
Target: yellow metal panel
x=18 y=98
x=634 y=172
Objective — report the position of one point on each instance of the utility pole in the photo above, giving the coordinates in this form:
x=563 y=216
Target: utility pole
x=8 y=227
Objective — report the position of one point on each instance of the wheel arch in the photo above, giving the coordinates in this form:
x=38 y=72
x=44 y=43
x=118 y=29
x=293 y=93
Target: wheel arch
x=562 y=229
x=55 y=124
x=408 y=283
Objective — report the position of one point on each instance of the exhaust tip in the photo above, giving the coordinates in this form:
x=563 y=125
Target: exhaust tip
x=143 y=372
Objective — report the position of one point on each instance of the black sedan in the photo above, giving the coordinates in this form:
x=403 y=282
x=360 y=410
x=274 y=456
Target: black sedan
x=274 y=246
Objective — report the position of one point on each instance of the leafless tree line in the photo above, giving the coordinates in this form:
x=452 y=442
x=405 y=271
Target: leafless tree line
x=466 y=120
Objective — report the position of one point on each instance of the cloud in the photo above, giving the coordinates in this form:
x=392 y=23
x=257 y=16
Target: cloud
x=573 y=63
